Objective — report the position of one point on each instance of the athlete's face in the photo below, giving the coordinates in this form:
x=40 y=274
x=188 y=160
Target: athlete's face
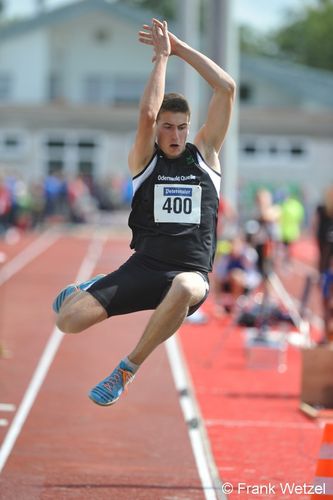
x=172 y=131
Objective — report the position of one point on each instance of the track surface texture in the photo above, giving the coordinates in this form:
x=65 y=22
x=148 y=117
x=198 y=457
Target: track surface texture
x=67 y=447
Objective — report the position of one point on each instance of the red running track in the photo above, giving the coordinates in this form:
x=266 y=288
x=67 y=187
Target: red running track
x=259 y=437
x=69 y=448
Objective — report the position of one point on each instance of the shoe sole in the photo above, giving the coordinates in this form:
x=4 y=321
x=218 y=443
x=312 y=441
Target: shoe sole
x=105 y=404
x=115 y=400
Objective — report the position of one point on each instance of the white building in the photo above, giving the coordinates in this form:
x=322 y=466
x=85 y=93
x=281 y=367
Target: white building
x=70 y=82
x=286 y=127
x=71 y=78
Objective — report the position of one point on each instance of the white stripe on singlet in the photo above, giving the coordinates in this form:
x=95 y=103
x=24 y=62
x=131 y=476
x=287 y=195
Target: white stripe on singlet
x=215 y=177
x=140 y=178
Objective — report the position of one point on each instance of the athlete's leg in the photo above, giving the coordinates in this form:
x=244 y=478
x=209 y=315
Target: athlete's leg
x=128 y=289
x=78 y=312
x=68 y=290
x=187 y=289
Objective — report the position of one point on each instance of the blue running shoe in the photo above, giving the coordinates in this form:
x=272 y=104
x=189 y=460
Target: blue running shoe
x=69 y=289
x=111 y=388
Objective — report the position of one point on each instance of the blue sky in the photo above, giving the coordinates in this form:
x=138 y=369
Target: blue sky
x=261 y=14
x=266 y=14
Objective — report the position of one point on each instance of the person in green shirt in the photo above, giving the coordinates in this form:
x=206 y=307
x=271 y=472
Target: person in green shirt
x=291 y=218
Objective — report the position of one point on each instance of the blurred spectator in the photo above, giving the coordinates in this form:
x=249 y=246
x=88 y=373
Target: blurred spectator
x=82 y=204
x=55 y=190
x=236 y=272
x=25 y=205
x=323 y=230
x=127 y=191
x=37 y=204
x=291 y=218
x=265 y=233
x=5 y=206
x=104 y=194
x=227 y=220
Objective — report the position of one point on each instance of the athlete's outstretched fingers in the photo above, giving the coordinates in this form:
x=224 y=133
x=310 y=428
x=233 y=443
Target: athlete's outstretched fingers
x=147 y=41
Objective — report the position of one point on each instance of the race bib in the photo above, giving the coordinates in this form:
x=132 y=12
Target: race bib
x=177 y=203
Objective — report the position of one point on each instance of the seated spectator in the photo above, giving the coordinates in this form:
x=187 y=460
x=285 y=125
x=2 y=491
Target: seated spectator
x=236 y=272
x=267 y=234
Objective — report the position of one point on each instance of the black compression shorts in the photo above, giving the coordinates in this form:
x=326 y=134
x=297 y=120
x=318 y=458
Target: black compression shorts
x=139 y=284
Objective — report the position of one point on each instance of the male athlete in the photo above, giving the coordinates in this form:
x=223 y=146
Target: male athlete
x=173 y=219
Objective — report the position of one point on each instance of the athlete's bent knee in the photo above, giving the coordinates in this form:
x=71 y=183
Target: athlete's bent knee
x=189 y=288
x=67 y=325
x=82 y=314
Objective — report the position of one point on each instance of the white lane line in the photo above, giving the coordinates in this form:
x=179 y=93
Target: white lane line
x=294 y=303
x=300 y=268
x=192 y=418
x=314 y=319
x=32 y=251
x=7 y=407
x=285 y=298
x=86 y=268
x=3 y=422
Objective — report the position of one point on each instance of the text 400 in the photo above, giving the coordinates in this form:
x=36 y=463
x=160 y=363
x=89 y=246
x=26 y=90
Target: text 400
x=178 y=205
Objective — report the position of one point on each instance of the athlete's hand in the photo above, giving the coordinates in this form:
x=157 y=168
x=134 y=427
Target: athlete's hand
x=159 y=37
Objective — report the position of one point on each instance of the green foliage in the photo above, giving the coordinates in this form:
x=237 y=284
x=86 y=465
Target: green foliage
x=252 y=42
x=308 y=37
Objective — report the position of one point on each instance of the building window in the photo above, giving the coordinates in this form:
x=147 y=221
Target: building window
x=86 y=144
x=71 y=153
x=13 y=144
x=55 y=87
x=297 y=150
x=245 y=92
x=55 y=166
x=273 y=148
x=86 y=168
x=249 y=149
x=55 y=143
x=102 y=35
x=5 y=87
x=98 y=89
x=128 y=89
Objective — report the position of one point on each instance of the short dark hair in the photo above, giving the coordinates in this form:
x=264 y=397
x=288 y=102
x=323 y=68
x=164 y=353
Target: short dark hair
x=176 y=103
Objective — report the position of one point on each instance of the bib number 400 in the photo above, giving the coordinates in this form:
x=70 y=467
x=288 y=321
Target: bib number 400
x=174 y=203
x=178 y=205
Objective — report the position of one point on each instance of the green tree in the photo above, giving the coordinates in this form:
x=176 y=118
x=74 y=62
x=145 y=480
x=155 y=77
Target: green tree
x=307 y=38
x=254 y=42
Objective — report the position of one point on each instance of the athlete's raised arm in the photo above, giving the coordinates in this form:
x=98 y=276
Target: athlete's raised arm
x=143 y=147
x=211 y=135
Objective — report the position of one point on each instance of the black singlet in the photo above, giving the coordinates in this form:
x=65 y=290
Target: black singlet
x=174 y=210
